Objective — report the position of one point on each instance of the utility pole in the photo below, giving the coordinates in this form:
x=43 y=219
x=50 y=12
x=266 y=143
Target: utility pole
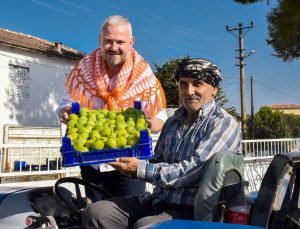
x=252 y=109
x=241 y=58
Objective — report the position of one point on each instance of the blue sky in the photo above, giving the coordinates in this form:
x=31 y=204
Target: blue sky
x=165 y=29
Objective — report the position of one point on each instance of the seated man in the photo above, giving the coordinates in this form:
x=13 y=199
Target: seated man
x=198 y=130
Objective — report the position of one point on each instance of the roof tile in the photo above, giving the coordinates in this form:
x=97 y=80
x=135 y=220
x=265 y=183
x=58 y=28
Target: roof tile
x=24 y=41
x=285 y=106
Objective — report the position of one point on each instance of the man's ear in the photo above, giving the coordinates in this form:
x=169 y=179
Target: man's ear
x=132 y=41
x=99 y=40
x=215 y=91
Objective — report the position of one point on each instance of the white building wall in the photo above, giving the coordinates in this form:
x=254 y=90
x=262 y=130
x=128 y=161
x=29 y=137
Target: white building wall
x=47 y=78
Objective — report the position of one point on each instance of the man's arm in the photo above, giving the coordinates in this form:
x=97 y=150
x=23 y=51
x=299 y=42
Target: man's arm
x=225 y=136
x=64 y=113
x=65 y=108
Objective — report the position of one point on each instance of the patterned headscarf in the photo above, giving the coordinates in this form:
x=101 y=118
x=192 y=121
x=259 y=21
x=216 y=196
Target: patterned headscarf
x=200 y=69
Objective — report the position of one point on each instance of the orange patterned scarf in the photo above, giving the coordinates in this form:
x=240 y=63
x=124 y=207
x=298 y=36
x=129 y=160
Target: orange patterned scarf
x=136 y=80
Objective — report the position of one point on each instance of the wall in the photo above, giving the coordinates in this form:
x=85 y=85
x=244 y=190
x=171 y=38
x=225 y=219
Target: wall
x=289 y=111
x=47 y=77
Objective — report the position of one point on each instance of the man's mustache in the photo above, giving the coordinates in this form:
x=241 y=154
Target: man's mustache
x=193 y=97
x=113 y=53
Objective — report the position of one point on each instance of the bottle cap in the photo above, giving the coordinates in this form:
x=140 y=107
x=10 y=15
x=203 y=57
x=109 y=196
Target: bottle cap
x=137 y=105
x=75 y=108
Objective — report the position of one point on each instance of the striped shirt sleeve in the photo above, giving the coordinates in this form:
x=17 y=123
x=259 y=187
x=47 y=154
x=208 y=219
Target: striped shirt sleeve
x=222 y=135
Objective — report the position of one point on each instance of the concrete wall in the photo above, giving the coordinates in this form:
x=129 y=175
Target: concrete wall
x=47 y=77
x=289 y=111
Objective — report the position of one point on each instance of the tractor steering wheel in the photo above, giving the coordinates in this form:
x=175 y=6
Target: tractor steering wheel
x=76 y=203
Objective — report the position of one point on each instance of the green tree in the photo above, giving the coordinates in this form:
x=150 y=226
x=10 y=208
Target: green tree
x=270 y=124
x=283 y=28
x=222 y=100
x=293 y=123
x=165 y=74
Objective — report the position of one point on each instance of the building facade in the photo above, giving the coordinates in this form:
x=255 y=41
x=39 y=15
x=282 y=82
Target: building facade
x=32 y=77
x=287 y=108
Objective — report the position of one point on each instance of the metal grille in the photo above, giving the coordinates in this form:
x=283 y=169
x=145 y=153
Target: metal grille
x=19 y=81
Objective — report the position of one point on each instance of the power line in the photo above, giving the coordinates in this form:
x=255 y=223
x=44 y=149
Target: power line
x=183 y=29
x=231 y=77
x=54 y=8
x=170 y=26
x=188 y=52
x=278 y=91
x=79 y=7
x=233 y=93
x=273 y=96
x=192 y=45
x=91 y=21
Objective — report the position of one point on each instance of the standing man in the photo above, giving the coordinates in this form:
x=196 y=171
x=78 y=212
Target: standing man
x=112 y=77
x=198 y=130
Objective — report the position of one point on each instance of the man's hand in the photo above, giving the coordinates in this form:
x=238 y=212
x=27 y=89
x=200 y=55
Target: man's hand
x=127 y=165
x=65 y=113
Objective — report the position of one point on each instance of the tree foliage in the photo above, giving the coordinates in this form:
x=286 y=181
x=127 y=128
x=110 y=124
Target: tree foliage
x=283 y=28
x=270 y=124
x=293 y=123
x=165 y=74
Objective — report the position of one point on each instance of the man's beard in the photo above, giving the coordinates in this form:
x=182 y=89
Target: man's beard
x=113 y=58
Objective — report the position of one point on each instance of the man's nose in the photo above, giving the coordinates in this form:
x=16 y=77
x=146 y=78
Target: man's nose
x=190 y=89
x=114 y=46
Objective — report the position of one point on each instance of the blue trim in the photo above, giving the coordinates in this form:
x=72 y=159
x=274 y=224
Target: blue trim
x=198 y=225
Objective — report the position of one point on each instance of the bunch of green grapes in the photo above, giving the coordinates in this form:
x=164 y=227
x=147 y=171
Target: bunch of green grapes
x=100 y=129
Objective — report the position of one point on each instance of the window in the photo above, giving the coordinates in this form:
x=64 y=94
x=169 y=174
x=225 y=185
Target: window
x=19 y=81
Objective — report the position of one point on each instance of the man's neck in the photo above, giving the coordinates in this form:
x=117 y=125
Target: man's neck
x=190 y=118
x=113 y=70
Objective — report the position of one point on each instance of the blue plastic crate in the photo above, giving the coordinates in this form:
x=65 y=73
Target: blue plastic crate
x=19 y=164
x=72 y=157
